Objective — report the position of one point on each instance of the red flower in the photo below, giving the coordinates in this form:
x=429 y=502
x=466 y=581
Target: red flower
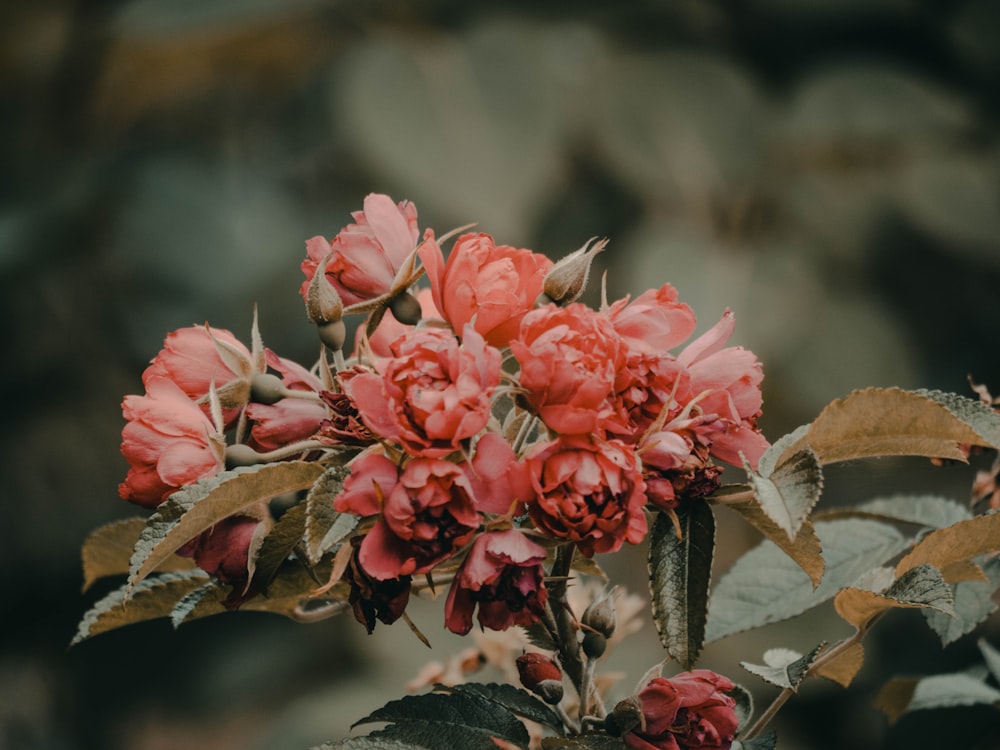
x=290 y=419
x=433 y=394
x=503 y=575
x=168 y=442
x=648 y=385
x=491 y=286
x=223 y=550
x=689 y=711
x=195 y=358
x=654 y=321
x=389 y=329
x=367 y=255
x=427 y=512
x=569 y=359
x=372 y=599
x=588 y=491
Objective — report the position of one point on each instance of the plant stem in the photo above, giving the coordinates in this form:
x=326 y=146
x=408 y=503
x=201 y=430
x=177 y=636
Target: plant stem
x=570 y=655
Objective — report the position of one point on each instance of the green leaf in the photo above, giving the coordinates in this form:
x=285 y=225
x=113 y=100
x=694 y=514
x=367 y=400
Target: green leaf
x=196 y=508
x=369 y=743
x=787 y=486
x=784 y=667
x=680 y=571
x=767 y=741
x=982 y=419
x=930 y=511
x=744 y=705
x=107 y=549
x=902 y=695
x=766 y=586
x=455 y=720
x=325 y=527
x=973 y=604
x=991 y=656
x=584 y=742
x=150 y=599
x=190 y=601
x=279 y=544
x=919 y=587
x=514 y=699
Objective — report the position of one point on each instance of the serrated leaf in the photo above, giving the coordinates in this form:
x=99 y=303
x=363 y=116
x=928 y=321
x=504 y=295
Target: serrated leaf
x=539 y=636
x=196 y=508
x=107 y=549
x=369 y=743
x=919 y=587
x=903 y=695
x=151 y=599
x=187 y=604
x=804 y=549
x=783 y=667
x=588 y=566
x=514 y=699
x=766 y=586
x=680 y=572
x=583 y=742
x=845 y=667
x=787 y=485
x=922 y=510
x=279 y=543
x=960 y=541
x=454 y=720
x=767 y=741
x=325 y=527
x=973 y=604
x=894 y=422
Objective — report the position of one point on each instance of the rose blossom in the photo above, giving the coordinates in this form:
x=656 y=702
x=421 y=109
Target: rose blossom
x=290 y=419
x=223 y=550
x=654 y=321
x=168 y=442
x=367 y=255
x=195 y=358
x=688 y=711
x=372 y=599
x=503 y=575
x=426 y=512
x=646 y=386
x=389 y=329
x=588 y=491
x=569 y=359
x=491 y=286
x=433 y=394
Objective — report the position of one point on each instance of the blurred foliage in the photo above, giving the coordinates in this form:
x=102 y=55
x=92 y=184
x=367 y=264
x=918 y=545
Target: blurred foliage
x=829 y=170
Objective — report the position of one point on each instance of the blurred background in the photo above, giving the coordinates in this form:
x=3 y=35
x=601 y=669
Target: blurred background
x=830 y=170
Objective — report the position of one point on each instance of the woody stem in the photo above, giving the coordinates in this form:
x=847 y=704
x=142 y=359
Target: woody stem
x=570 y=655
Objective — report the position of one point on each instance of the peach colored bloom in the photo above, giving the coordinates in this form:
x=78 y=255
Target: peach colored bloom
x=570 y=357
x=367 y=255
x=502 y=574
x=168 y=442
x=290 y=419
x=588 y=491
x=687 y=712
x=647 y=385
x=491 y=286
x=389 y=329
x=433 y=394
x=654 y=321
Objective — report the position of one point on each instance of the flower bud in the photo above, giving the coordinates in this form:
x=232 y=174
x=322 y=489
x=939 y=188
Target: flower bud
x=323 y=304
x=594 y=644
x=241 y=455
x=333 y=334
x=405 y=309
x=600 y=616
x=541 y=676
x=567 y=279
x=266 y=388
x=626 y=716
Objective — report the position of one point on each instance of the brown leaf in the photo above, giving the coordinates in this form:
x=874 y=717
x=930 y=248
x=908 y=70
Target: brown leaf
x=956 y=543
x=107 y=549
x=845 y=667
x=919 y=587
x=895 y=697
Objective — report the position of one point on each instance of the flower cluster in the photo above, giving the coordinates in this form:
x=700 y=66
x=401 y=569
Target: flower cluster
x=486 y=418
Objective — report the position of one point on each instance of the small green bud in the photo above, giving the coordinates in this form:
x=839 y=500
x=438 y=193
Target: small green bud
x=600 y=616
x=594 y=644
x=266 y=388
x=405 y=309
x=323 y=304
x=567 y=279
x=333 y=334
x=241 y=455
x=626 y=716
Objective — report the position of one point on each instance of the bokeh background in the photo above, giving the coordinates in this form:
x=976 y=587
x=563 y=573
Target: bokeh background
x=828 y=169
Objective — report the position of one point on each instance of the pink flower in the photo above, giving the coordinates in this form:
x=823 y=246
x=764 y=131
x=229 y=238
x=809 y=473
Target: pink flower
x=223 y=551
x=367 y=255
x=690 y=711
x=569 y=359
x=168 y=442
x=648 y=385
x=427 y=512
x=389 y=329
x=194 y=358
x=290 y=419
x=497 y=478
x=588 y=491
x=503 y=575
x=433 y=394
x=654 y=321
x=491 y=286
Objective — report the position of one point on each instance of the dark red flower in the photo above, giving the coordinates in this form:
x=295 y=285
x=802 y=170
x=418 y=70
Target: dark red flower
x=690 y=711
x=373 y=599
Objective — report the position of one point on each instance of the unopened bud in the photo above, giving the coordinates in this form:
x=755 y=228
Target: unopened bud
x=241 y=455
x=541 y=676
x=594 y=644
x=323 y=304
x=405 y=309
x=600 y=616
x=625 y=717
x=333 y=334
x=567 y=279
x=266 y=388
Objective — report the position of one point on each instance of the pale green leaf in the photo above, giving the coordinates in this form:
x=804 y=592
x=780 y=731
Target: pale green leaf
x=369 y=743
x=766 y=586
x=784 y=667
x=930 y=511
x=514 y=699
x=767 y=741
x=983 y=420
x=973 y=604
x=183 y=609
x=325 y=527
x=945 y=691
x=956 y=543
x=680 y=571
x=991 y=656
x=744 y=705
x=279 y=543
x=196 y=508
x=919 y=587
x=788 y=486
